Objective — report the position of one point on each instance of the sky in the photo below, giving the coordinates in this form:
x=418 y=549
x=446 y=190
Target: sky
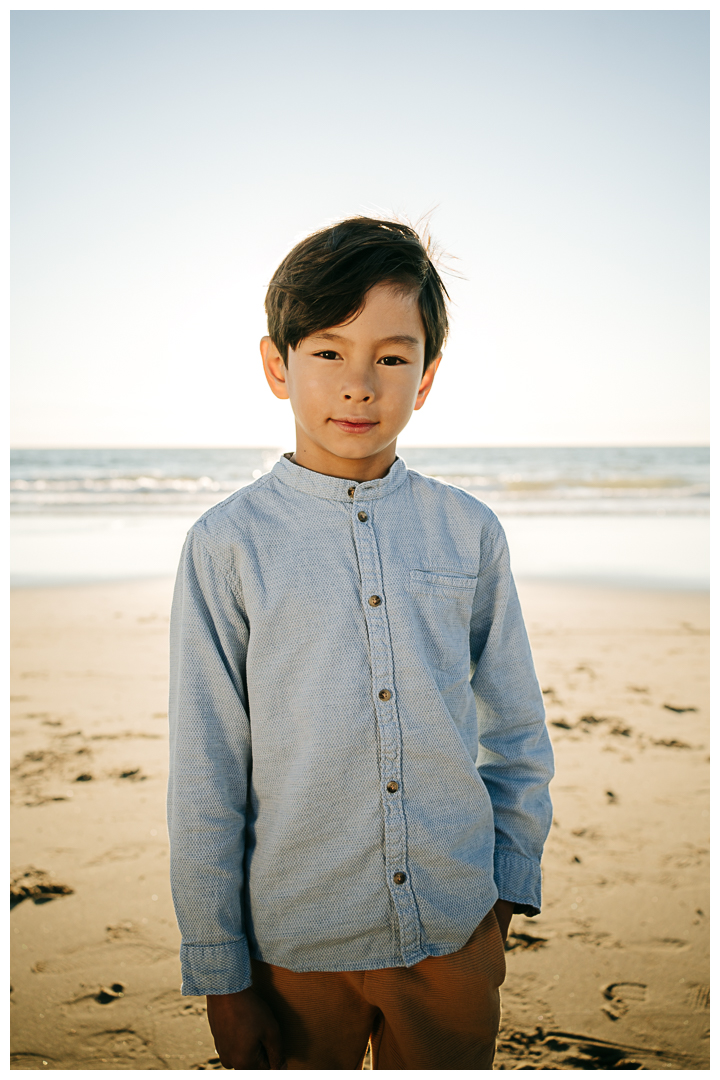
x=164 y=162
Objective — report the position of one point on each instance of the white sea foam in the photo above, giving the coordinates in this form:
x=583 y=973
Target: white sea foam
x=514 y=480
x=626 y=515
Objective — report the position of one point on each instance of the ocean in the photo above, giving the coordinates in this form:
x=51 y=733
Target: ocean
x=621 y=515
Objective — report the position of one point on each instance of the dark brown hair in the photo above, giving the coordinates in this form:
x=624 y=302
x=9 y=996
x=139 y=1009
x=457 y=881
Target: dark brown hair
x=324 y=280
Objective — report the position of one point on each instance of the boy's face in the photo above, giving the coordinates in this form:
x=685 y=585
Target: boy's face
x=354 y=387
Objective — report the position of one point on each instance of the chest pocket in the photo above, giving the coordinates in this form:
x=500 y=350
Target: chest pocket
x=442 y=607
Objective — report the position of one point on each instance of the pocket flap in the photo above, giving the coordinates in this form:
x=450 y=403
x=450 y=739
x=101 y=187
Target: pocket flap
x=447 y=580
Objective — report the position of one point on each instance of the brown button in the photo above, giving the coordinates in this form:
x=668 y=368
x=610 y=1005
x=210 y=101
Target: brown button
x=399 y=878
x=393 y=786
x=351 y=492
x=385 y=695
x=362 y=516
x=375 y=601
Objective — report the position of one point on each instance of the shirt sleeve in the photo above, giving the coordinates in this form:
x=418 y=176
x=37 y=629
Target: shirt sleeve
x=515 y=757
x=209 y=765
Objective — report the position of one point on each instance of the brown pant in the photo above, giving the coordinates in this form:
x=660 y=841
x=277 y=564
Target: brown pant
x=442 y=1013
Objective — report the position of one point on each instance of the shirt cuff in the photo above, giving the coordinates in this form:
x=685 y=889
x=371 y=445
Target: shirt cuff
x=215 y=969
x=518 y=881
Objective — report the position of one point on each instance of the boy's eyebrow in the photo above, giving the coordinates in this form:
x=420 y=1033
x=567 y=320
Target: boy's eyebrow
x=394 y=339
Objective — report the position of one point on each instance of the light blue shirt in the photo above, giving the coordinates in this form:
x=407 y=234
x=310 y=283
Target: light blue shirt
x=359 y=762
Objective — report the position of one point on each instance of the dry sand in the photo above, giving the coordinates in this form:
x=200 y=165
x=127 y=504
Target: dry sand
x=613 y=974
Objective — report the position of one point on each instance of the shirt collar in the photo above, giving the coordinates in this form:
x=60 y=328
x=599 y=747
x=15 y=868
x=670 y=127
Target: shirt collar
x=333 y=487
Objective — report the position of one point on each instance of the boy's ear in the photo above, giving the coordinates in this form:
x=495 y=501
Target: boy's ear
x=275 y=370
x=427 y=381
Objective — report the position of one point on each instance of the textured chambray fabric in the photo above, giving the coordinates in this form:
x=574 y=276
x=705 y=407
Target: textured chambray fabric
x=295 y=702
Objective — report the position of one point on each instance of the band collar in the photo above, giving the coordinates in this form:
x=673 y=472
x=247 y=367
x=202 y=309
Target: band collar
x=333 y=487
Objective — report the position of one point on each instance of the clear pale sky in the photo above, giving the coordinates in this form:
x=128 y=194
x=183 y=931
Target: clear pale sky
x=164 y=162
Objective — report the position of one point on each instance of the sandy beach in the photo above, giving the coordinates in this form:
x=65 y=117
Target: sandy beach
x=612 y=975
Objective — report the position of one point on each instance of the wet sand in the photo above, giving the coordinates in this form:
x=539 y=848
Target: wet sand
x=612 y=974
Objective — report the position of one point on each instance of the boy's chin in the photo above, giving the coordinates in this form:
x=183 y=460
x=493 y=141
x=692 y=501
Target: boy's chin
x=356 y=448
x=342 y=446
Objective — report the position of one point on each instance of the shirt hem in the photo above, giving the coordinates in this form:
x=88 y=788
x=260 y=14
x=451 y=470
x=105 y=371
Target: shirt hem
x=378 y=964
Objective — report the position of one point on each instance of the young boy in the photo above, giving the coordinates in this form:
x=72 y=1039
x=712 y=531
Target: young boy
x=359 y=762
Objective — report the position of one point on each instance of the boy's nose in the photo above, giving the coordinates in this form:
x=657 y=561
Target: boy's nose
x=358 y=384
x=358 y=390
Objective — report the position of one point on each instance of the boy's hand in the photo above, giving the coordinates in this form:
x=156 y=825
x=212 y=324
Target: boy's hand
x=246 y=1034
x=503 y=912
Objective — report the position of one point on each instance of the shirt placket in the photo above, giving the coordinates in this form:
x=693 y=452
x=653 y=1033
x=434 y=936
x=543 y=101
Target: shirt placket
x=398 y=872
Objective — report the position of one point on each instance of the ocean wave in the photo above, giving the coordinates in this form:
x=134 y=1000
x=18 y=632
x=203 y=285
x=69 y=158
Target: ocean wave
x=121 y=484
x=512 y=480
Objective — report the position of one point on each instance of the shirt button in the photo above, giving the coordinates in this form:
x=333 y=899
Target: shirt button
x=351 y=492
x=375 y=601
x=362 y=516
x=399 y=878
x=385 y=695
x=393 y=786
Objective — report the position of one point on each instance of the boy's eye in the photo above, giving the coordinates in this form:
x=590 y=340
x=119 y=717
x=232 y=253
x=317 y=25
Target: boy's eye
x=328 y=354
x=391 y=361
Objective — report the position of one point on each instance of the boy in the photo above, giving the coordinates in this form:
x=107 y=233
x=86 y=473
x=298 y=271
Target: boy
x=359 y=761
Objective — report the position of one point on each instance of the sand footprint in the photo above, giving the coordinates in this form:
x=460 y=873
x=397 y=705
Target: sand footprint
x=121 y=1048
x=36 y=885
x=621 y=996
x=523 y=942
x=700 y=998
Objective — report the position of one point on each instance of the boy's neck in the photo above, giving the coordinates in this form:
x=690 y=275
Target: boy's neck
x=358 y=469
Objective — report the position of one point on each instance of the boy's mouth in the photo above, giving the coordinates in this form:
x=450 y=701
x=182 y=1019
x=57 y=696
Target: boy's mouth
x=355 y=426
